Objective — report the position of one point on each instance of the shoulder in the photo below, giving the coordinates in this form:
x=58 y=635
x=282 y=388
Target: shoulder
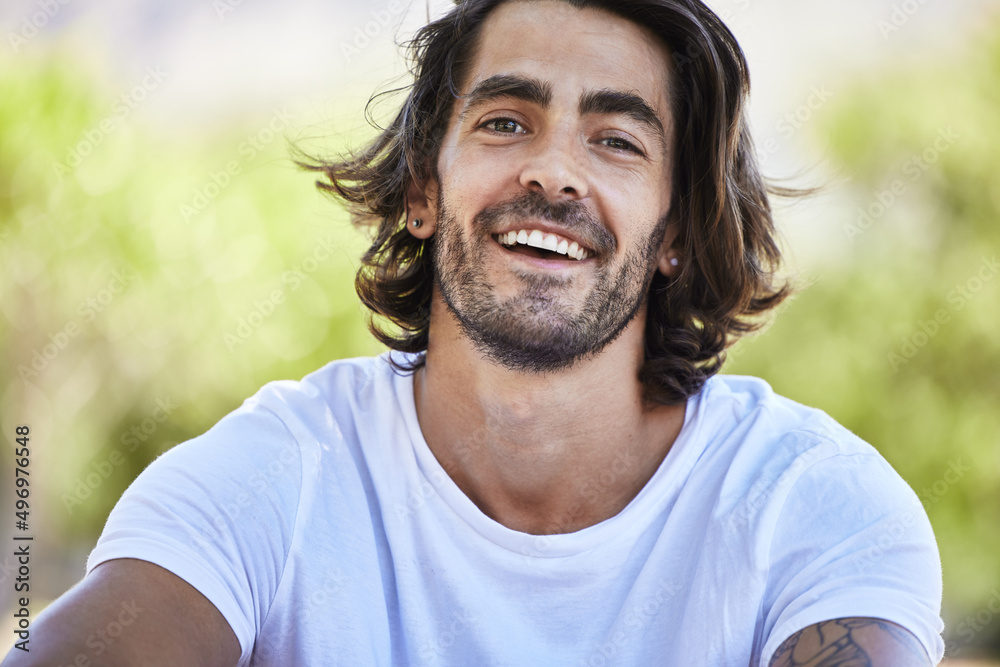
x=827 y=521
x=342 y=381
x=223 y=510
x=275 y=431
x=745 y=414
x=743 y=401
x=327 y=402
x=770 y=449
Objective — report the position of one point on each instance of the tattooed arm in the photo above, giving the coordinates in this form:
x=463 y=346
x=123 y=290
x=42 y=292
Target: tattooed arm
x=851 y=642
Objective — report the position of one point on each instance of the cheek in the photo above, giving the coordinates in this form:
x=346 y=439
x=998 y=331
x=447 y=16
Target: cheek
x=636 y=185
x=638 y=212
x=635 y=224
x=475 y=179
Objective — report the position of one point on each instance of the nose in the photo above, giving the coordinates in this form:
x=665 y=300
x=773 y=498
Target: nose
x=555 y=168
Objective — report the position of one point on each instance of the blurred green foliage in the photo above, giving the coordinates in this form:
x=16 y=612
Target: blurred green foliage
x=150 y=283
x=231 y=278
x=898 y=339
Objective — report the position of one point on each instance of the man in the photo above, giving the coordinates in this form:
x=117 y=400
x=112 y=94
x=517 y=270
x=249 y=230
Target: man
x=570 y=231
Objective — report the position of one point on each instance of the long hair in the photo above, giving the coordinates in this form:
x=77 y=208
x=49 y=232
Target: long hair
x=720 y=201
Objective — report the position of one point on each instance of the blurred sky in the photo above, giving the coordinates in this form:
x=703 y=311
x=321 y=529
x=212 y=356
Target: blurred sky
x=229 y=58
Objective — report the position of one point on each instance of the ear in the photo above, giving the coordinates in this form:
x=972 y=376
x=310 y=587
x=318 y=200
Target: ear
x=669 y=258
x=421 y=204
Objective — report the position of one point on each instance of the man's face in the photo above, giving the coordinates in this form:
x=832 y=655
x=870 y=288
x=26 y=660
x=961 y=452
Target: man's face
x=563 y=133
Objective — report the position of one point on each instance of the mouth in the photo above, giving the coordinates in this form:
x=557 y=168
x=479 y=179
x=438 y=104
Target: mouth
x=542 y=245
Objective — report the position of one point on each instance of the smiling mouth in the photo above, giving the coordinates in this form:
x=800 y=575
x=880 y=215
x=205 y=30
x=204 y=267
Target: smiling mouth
x=535 y=243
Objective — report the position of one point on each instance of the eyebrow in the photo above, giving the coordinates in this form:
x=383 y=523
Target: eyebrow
x=538 y=92
x=616 y=102
x=508 y=85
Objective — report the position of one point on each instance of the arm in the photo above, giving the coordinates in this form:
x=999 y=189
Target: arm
x=130 y=612
x=851 y=642
x=852 y=544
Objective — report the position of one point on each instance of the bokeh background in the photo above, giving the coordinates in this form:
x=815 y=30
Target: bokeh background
x=161 y=257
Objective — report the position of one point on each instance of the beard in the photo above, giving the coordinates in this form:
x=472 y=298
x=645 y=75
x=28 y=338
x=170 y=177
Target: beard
x=543 y=328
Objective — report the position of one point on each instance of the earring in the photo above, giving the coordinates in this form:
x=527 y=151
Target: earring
x=674 y=261
x=417 y=222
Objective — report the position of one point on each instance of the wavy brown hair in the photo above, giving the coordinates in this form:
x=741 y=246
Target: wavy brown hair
x=720 y=201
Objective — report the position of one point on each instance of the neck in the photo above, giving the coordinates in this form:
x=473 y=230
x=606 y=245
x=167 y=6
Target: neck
x=542 y=453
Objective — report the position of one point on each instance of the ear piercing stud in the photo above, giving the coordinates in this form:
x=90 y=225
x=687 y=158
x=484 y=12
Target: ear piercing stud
x=417 y=222
x=674 y=261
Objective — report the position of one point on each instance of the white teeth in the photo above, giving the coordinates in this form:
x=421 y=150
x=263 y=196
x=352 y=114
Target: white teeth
x=538 y=239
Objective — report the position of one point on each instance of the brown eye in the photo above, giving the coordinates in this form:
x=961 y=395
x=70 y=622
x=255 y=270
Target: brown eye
x=620 y=144
x=503 y=125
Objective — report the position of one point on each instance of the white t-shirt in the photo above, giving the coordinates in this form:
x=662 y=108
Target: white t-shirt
x=318 y=522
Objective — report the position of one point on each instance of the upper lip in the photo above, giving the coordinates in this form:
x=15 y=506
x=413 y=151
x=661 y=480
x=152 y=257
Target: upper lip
x=546 y=228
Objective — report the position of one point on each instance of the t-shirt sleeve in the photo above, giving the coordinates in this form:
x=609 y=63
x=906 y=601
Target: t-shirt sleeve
x=852 y=540
x=218 y=511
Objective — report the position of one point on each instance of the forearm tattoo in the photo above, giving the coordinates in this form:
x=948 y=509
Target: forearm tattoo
x=839 y=643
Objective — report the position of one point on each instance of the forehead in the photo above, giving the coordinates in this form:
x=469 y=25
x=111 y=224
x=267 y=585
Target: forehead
x=573 y=49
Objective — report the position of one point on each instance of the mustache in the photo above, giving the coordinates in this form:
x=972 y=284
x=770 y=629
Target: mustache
x=572 y=215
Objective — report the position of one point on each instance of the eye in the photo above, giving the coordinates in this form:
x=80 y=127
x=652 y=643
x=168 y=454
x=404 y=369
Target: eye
x=503 y=125
x=619 y=144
